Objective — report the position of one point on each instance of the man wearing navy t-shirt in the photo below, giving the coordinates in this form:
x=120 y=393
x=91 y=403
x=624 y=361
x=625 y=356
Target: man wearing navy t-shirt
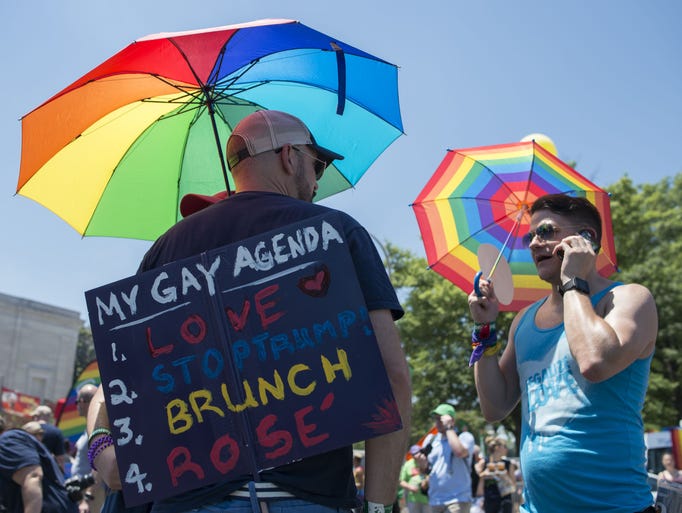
x=30 y=481
x=276 y=164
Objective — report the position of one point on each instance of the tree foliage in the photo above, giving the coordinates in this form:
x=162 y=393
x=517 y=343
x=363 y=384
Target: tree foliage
x=436 y=333
x=85 y=352
x=647 y=222
x=436 y=330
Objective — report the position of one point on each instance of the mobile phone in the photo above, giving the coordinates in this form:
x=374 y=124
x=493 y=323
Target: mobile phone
x=587 y=234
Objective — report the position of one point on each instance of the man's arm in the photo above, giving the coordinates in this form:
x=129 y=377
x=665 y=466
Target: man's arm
x=105 y=463
x=603 y=345
x=31 y=481
x=497 y=383
x=458 y=448
x=385 y=454
x=497 y=379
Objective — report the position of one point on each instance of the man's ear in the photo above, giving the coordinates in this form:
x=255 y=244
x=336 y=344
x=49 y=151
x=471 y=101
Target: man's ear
x=287 y=159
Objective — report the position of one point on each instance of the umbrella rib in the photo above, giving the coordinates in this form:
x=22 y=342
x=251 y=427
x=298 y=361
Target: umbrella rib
x=209 y=103
x=495 y=176
x=518 y=212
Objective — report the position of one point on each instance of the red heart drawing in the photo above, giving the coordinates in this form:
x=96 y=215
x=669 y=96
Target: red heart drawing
x=317 y=284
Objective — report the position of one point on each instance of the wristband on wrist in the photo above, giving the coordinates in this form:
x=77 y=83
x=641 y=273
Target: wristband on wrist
x=483 y=341
x=97 y=432
x=493 y=350
x=375 y=507
x=98 y=447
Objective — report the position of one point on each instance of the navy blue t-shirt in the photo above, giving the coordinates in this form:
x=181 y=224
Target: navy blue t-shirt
x=18 y=450
x=53 y=439
x=327 y=478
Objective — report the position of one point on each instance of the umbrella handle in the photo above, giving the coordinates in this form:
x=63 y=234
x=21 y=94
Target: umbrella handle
x=477 y=278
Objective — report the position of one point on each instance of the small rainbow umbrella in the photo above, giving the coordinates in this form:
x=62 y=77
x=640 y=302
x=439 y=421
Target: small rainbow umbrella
x=114 y=152
x=480 y=197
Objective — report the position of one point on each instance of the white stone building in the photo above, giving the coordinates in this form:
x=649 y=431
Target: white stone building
x=37 y=347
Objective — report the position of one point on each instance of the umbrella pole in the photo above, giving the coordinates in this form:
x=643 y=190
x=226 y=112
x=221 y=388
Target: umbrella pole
x=514 y=229
x=211 y=111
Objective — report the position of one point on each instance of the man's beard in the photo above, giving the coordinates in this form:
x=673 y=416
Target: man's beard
x=303 y=191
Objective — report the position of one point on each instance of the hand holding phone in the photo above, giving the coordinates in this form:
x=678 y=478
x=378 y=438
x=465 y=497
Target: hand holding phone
x=589 y=236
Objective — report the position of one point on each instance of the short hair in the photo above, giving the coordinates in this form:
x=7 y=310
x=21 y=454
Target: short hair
x=33 y=427
x=491 y=442
x=576 y=207
x=43 y=412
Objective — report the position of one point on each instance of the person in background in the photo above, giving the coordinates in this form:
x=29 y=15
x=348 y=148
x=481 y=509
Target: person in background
x=93 y=495
x=53 y=438
x=35 y=428
x=412 y=476
x=276 y=164
x=359 y=477
x=476 y=497
x=669 y=472
x=497 y=482
x=30 y=480
x=450 y=463
x=578 y=360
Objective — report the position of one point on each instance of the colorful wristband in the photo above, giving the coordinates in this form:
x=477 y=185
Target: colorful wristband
x=375 y=507
x=97 y=432
x=483 y=341
x=98 y=447
x=493 y=350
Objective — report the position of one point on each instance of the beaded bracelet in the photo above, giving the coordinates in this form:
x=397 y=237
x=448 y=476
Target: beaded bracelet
x=98 y=447
x=97 y=432
x=483 y=341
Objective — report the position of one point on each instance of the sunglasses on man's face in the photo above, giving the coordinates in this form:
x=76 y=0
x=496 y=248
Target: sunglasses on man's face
x=318 y=164
x=544 y=232
x=547 y=231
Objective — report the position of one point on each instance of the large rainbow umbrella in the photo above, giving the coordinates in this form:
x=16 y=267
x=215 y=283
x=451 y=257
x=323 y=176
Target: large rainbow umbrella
x=482 y=196
x=113 y=153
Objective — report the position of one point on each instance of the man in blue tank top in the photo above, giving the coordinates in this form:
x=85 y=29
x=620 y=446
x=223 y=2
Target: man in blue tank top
x=579 y=362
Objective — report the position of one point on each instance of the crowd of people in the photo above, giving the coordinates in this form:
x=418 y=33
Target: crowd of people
x=577 y=362
x=448 y=472
x=40 y=472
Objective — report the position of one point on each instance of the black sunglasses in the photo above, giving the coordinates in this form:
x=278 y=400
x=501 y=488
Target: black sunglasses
x=548 y=231
x=319 y=164
x=543 y=232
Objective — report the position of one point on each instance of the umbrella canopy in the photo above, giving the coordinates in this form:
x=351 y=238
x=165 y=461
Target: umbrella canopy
x=481 y=196
x=113 y=153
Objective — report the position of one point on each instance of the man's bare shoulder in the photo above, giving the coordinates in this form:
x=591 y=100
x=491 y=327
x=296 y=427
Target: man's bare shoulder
x=631 y=295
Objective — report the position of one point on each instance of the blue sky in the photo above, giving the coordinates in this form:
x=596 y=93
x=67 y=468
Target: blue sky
x=602 y=78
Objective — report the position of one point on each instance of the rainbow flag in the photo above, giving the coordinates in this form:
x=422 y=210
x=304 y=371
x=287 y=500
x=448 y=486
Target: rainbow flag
x=72 y=424
x=676 y=438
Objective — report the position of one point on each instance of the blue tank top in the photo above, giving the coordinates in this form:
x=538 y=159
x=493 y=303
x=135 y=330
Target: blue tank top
x=582 y=443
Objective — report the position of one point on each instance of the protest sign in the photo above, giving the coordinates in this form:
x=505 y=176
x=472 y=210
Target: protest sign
x=242 y=358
